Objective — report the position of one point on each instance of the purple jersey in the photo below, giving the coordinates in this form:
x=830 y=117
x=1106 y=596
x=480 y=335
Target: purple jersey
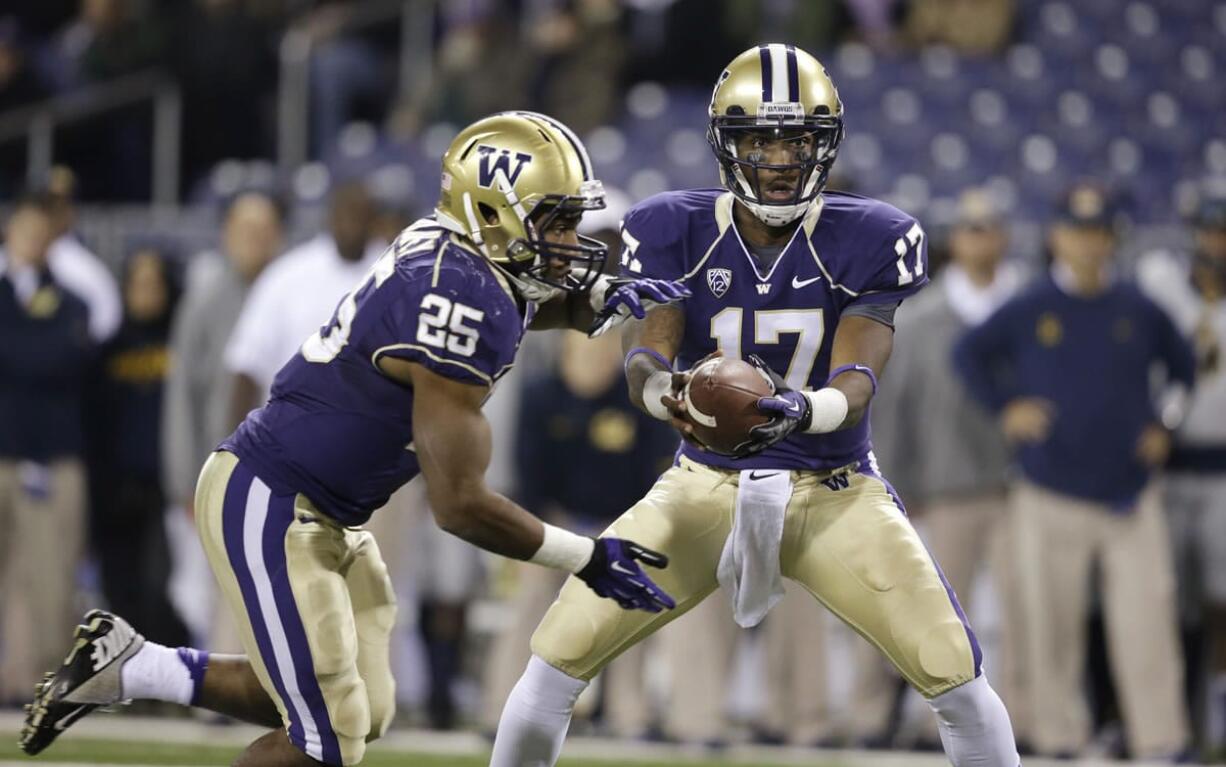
x=338 y=430
x=849 y=250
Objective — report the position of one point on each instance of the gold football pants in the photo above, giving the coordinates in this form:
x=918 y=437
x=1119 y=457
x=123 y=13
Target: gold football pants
x=314 y=607
x=850 y=546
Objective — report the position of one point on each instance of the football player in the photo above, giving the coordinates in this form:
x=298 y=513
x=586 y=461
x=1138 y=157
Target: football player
x=390 y=387
x=805 y=282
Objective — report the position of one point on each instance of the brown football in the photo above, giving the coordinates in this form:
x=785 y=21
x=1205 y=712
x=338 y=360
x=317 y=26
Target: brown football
x=722 y=400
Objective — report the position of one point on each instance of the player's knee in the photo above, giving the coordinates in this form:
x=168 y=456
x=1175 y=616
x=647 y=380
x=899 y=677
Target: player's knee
x=946 y=657
x=381 y=698
x=566 y=638
x=351 y=720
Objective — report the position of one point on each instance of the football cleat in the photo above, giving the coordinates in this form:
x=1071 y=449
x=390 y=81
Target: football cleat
x=89 y=678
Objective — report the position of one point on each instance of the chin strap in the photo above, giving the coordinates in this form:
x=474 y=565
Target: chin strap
x=528 y=288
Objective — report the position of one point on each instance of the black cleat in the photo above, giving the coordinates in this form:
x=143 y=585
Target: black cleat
x=89 y=678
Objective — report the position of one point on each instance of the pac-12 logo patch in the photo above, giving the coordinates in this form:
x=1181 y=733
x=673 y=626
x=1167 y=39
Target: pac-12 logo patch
x=719 y=280
x=493 y=159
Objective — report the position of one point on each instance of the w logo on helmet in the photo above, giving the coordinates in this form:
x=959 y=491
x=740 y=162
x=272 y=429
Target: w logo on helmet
x=493 y=160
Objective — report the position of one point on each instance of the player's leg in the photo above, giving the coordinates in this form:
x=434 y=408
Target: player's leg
x=109 y=662
x=687 y=515
x=279 y=563
x=1139 y=601
x=374 y=616
x=854 y=549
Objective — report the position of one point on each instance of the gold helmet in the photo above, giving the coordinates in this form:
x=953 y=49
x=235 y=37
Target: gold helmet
x=784 y=92
x=506 y=179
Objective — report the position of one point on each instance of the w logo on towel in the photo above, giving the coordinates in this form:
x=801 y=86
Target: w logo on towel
x=838 y=482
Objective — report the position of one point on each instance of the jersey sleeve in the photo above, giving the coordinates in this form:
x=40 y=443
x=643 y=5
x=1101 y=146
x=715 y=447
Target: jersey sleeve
x=898 y=266
x=461 y=326
x=651 y=241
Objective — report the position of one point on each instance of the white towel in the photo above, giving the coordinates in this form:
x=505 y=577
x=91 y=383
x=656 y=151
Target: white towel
x=749 y=564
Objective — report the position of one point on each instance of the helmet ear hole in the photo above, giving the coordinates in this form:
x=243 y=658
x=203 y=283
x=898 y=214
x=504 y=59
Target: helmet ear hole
x=488 y=214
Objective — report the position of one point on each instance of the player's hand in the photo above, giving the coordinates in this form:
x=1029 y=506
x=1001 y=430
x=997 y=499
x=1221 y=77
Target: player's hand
x=1154 y=446
x=614 y=573
x=1027 y=420
x=616 y=300
x=675 y=402
x=788 y=408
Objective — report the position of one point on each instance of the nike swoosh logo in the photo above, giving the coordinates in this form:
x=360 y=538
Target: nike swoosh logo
x=756 y=475
x=618 y=567
x=799 y=283
x=64 y=722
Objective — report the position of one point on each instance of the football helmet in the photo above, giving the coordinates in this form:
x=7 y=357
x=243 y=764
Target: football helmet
x=784 y=93
x=530 y=170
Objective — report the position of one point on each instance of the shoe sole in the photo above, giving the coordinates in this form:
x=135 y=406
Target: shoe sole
x=45 y=698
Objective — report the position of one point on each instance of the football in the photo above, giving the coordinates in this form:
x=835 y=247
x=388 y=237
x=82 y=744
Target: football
x=722 y=400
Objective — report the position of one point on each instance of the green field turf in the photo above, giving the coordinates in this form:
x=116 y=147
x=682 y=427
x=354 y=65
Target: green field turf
x=82 y=750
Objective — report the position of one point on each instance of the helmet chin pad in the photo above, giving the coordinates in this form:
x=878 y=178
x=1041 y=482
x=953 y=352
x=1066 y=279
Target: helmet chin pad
x=774 y=214
x=777 y=215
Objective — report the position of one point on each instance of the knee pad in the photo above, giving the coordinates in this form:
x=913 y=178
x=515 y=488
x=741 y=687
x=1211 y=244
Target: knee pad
x=350 y=716
x=946 y=657
x=381 y=701
x=566 y=637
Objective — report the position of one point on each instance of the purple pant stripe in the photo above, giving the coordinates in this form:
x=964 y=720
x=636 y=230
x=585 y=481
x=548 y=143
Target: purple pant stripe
x=234 y=510
x=976 y=650
x=280 y=516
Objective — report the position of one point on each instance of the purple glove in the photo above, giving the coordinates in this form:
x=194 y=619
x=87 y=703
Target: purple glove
x=623 y=298
x=789 y=410
x=613 y=572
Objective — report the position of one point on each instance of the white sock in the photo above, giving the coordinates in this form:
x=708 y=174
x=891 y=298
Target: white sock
x=974 y=726
x=535 y=718
x=157 y=672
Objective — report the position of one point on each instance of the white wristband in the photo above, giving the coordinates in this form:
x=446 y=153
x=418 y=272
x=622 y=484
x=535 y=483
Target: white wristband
x=563 y=550
x=656 y=386
x=597 y=295
x=829 y=409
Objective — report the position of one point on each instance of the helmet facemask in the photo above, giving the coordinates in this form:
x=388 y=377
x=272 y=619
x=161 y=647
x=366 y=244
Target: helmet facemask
x=818 y=138
x=531 y=259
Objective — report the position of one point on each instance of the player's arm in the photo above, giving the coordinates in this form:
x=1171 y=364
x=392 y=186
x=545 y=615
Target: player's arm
x=859 y=351
x=452 y=440
x=858 y=356
x=651 y=345
x=610 y=302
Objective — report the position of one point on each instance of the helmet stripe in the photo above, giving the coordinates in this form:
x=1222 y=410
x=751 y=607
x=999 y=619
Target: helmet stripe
x=793 y=75
x=764 y=56
x=779 y=70
x=584 y=160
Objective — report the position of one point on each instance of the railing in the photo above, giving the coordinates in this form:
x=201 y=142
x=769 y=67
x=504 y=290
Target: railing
x=293 y=96
x=37 y=124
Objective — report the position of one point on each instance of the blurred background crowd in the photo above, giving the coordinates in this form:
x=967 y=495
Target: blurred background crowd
x=189 y=186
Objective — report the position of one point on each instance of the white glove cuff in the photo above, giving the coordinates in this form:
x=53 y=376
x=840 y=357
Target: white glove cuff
x=563 y=550
x=829 y=409
x=658 y=384
x=597 y=294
